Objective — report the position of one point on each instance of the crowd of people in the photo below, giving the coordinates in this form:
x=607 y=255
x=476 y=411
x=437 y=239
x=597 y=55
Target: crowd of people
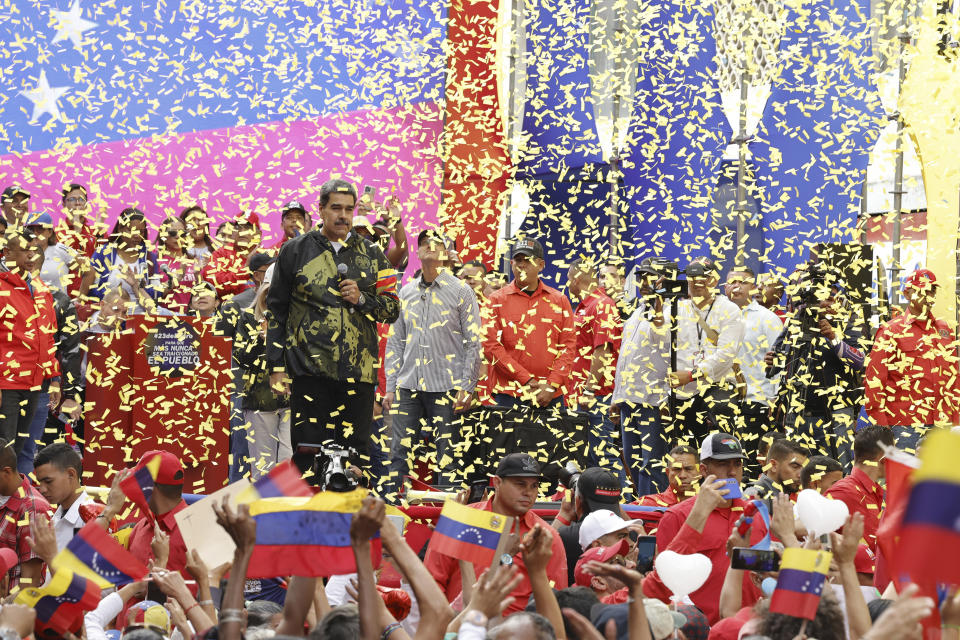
x=697 y=403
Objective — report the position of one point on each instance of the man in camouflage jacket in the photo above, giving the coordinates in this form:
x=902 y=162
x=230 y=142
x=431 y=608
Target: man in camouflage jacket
x=330 y=289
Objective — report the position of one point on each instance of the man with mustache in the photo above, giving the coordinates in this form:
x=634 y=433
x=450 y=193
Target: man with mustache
x=330 y=288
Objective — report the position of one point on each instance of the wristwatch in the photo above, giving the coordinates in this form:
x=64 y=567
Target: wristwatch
x=473 y=617
x=361 y=300
x=6 y=633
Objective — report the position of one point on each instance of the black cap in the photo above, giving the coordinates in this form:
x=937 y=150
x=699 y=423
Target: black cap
x=701 y=267
x=294 y=205
x=527 y=247
x=14 y=190
x=519 y=465
x=431 y=234
x=721 y=446
x=599 y=489
x=260 y=260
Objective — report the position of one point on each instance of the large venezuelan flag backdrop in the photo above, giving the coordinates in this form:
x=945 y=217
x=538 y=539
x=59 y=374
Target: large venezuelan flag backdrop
x=235 y=105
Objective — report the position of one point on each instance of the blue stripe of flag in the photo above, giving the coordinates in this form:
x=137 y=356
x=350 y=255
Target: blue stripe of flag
x=806 y=582
x=88 y=555
x=324 y=528
x=935 y=503
x=467 y=533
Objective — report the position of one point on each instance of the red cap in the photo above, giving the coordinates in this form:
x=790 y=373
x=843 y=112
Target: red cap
x=865 y=561
x=8 y=560
x=248 y=217
x=170 y=471
x=920 y=279
x=600 y=554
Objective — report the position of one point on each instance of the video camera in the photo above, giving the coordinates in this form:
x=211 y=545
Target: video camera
x=668 y=283
x=330 y=467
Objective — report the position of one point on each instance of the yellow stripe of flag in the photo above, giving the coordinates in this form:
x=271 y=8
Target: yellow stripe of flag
x=807 y=560
x=348 y=502
x=939 y=456
x=473 y=517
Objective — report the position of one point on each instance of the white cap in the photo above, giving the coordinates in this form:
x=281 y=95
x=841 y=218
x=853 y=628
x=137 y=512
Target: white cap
x=662 y=620
x=268 y=276
x=598 y=524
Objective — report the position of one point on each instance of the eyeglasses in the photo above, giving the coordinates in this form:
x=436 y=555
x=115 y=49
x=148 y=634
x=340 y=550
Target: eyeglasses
x=176 y=234
x=75 y=200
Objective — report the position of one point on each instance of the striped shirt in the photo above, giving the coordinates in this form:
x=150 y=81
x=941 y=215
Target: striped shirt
x=435 y=343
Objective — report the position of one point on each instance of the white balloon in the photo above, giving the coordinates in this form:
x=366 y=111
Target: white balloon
x=683 y=574
x=820 y=515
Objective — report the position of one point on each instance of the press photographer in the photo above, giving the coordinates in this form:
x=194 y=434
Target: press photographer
x=705 y=340
x=821 y=353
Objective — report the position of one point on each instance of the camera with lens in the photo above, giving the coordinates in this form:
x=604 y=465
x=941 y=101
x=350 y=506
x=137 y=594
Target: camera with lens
x=330 y=466
x=814 y=288
x=665 y=275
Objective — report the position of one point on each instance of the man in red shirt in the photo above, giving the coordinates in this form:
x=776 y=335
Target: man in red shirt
x=28 y=327
x=165 y=502
x=598 y=328
x=294 y=220
x=861 y=490
x=515 y=485
x=530 y=342
x=683 y=471
x=23 y=503
x=911 y=380
x=228 y=269
x=721 y=458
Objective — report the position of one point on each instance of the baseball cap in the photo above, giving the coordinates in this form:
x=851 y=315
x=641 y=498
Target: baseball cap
x=527 y=247
x=247 y=217
x=600 y=523
x=600 y=554
x=14 y=190
x=663 y=622
x=720 y=446
x=294 y=205
x=921 y=279
x=39 y=219
x=260 y=260
x=170 y=471
x=431 y=234
x=701 y=267
x=363 y=222
x=599 y=489
x=8 y=559
x=150 y=613
x=519 y=465
x=864 y=561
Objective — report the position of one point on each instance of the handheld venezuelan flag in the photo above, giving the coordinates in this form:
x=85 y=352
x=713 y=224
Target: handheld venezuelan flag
x=61 y=602
x=803 y=572
x=283 y=481
x=96 y=555
x=138 y=486
x=306 y=536
x=931 y=521
x=467 y=534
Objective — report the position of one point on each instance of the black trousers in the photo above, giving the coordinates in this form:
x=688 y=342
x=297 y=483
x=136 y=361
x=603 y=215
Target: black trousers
x=17 y=407
x=324 y=411
x=698 y=416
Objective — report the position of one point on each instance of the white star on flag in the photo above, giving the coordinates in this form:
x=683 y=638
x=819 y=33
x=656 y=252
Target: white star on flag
x=44 y=98
x=70 y=25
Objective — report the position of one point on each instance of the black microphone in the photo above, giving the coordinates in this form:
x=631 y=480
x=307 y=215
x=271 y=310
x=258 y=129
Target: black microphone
x=342 y=271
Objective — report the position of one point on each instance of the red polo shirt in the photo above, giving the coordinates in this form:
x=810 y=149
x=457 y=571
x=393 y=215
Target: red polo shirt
x=597 y=322
x=861 y=494
x=142 y=534
x=446 y=570
x=529 y=336
x=666 y=499
x=15 y=517
x=712 y=543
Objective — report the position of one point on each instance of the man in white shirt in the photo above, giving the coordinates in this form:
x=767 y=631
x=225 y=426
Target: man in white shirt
x=709 y=329
x=761 y=328
x=640 y=389
x=58 y=470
